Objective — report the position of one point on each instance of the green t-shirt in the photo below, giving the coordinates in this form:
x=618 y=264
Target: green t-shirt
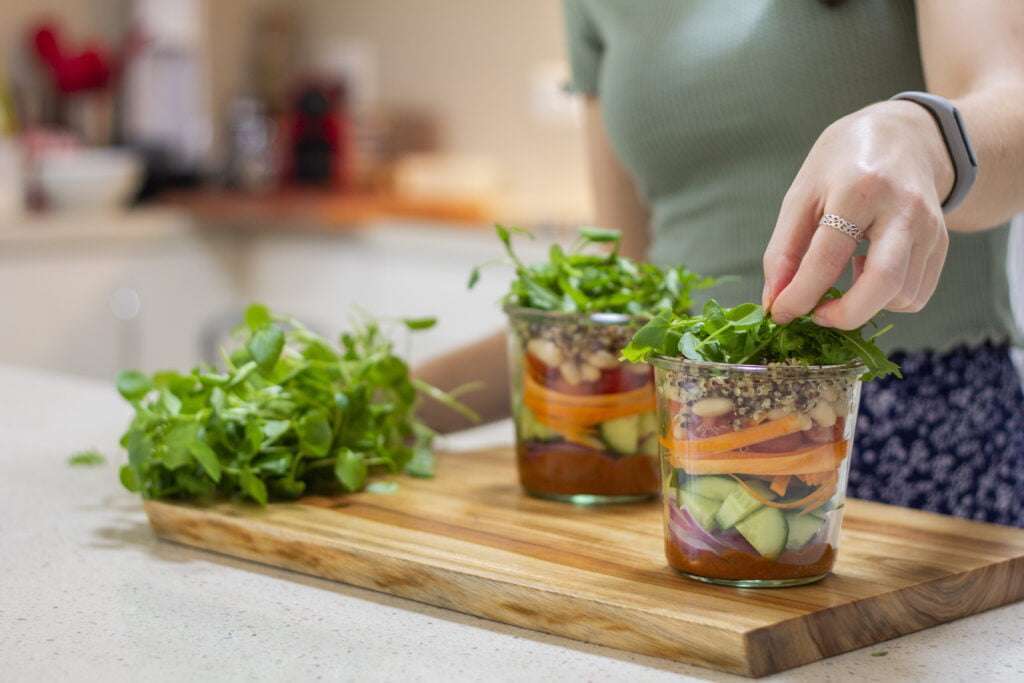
x=713 y=105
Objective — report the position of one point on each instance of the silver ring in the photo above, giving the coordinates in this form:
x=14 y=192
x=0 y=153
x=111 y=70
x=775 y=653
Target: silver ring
x=830 y=220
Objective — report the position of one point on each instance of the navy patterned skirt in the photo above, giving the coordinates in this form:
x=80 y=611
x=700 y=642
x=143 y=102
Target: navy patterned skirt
x=948 y=438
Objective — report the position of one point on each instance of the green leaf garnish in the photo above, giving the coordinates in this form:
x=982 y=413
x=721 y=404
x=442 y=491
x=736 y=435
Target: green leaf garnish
x=596 y=281
x=289 y=412
x=745 y=335
x=133 y=385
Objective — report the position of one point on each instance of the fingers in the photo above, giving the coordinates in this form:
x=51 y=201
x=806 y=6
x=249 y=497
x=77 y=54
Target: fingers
x=823 y=264
x=793 y=231
x=858 y=266
x=924 y=274
x=884 y=274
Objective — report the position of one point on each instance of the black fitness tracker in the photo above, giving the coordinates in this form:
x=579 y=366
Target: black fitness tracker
x=958 y=144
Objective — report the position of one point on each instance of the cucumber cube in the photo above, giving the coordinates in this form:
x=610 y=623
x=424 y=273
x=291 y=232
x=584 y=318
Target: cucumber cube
x=766 y=530
x=802 y=528
x=700 y=508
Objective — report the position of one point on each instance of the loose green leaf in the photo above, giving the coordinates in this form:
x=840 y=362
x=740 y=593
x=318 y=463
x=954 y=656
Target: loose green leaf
x=252 y=486
x=133 y=385
x=129 y=479
x=266 y=346
x=350 y=469
x=420 y=323
x=257 y=316
x=422 y=464
x=86 y=458
x=386 y=487
x=315 y=433
x=600 y=235
x=207 y=458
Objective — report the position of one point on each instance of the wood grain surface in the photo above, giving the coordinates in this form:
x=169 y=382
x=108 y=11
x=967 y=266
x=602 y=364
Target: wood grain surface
x=470 y=541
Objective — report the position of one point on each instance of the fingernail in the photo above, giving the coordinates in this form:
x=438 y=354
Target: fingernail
x=768 y=295
x=819 y=320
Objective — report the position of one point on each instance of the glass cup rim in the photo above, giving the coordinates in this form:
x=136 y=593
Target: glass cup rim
x=514 y=310
x=676 y=363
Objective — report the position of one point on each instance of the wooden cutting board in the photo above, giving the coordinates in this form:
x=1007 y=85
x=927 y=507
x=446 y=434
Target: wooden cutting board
x=470 y=541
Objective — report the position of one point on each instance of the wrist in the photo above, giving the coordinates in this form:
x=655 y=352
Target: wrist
x=929 y=142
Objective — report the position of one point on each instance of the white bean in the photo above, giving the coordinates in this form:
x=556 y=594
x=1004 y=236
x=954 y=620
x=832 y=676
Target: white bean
x=805 y=422
x=603 y=360
x=589 y=373
x=778 y=413
x=678 y=432
x=842 y=407
x=712 y=407
x=546 y=351
x=823 y=414
x=570 y=372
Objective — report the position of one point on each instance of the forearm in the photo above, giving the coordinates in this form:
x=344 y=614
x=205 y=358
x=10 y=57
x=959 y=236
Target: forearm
x=617 y=204
x=994 y=117
x=482 y=361
x=973 y=54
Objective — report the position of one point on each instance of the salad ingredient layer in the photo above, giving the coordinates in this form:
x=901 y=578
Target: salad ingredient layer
x=289 y=413
x=563 y=468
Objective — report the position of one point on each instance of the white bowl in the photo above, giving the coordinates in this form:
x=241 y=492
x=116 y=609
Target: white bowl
x=99 y=178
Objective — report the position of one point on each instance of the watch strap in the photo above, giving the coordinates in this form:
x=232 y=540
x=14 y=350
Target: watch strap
x=958 y=144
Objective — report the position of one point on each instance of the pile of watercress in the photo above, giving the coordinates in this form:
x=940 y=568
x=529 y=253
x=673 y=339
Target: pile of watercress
x=745 y=334
x=289 y=413
x=583 y=281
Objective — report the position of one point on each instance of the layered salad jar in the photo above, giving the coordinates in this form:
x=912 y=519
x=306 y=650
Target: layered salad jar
x=586 y=424
x=756 y=425
x=754 y=462
x=586 y=427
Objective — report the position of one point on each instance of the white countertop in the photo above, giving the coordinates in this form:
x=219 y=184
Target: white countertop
x=87 y=592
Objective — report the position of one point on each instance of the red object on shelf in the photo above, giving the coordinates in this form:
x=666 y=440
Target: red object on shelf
x=90 y=69
x=318 y=137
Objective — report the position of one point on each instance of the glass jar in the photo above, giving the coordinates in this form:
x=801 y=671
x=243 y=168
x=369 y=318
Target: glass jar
x=754 y=465
x=586 y=428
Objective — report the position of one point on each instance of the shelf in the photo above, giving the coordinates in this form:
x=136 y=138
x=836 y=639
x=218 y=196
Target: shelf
x=317 y=210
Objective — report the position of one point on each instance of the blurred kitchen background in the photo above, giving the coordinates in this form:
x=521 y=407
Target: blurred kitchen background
x=164 y=162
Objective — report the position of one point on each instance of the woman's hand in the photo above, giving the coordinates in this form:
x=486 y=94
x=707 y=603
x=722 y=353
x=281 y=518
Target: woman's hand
x=884 y=168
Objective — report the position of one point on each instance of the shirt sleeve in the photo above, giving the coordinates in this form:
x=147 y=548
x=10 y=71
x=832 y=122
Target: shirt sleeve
x=585 y=48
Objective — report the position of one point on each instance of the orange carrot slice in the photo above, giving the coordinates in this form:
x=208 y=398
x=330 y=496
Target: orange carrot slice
x=780 y=484
x=789 y=505
x=730 y=441
x=823 y=458
x=572 y=433
x=541 y=394
x=586 y=416
x=584 y=410
x=821 y=495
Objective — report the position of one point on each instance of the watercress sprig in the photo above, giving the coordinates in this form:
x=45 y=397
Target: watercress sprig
x=585 y=280
x=744 y=334
x=289 y=413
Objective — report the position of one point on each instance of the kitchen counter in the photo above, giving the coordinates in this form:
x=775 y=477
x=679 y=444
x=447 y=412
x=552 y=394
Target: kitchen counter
x=89 y=593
